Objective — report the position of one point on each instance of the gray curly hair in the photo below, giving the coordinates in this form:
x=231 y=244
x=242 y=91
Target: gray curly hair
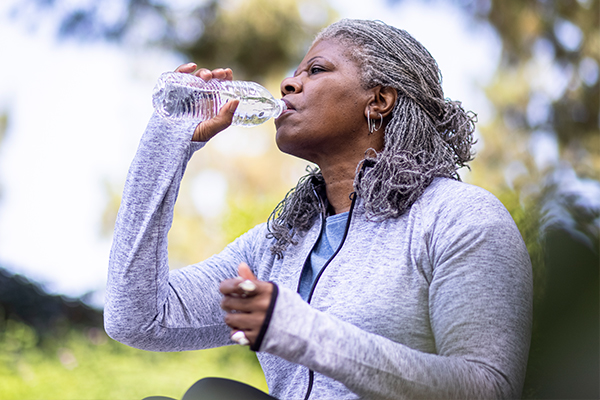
x=427 y=136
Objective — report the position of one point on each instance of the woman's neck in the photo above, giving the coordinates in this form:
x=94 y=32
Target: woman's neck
x=339 y=184
x=339 y=170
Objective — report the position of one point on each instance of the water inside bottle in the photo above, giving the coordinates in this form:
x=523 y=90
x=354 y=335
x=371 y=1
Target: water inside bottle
x=184 y=102
x=189 y=98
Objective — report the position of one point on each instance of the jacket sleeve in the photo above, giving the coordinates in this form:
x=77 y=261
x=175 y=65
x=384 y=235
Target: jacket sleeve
x=147 y=306
x=480 y=312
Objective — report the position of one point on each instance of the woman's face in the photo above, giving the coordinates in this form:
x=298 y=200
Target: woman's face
x=327 y=105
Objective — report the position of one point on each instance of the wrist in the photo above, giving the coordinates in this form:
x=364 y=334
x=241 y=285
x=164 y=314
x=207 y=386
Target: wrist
x=265 y=326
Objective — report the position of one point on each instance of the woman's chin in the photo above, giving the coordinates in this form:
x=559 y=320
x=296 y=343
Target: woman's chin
x=293 y=148
x=287 y=148
x=284 y=142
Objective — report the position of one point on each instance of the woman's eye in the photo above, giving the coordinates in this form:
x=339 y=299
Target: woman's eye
x=316 y=69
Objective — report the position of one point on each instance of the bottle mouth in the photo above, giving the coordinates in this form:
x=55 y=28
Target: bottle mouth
x=281 y=107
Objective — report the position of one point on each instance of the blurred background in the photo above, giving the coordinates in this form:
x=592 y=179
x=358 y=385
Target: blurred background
x=75 y=86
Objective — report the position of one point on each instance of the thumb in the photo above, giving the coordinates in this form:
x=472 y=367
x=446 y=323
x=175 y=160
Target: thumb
x=209 y=128
x=245 y=272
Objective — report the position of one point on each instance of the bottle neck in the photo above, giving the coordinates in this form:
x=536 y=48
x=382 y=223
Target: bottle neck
x=281 y=107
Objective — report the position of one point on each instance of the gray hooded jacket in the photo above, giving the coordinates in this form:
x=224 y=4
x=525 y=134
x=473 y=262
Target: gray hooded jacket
x=434 y=304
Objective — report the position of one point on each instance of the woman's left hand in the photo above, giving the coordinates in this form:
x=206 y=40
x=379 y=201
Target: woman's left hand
x=246 y=310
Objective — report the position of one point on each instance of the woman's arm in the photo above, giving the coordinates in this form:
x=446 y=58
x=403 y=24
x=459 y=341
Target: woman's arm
x=146 y=305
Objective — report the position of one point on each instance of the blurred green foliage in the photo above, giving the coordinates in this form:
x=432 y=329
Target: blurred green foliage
x=53 y=347
x=256 y=38
x=567 y=32
x=86 y=364
x=546 y=84
x=527 y=216
x=563 y=358
x=547 y=87
x=563 y=361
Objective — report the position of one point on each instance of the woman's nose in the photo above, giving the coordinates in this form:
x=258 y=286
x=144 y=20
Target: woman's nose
x=290 y=85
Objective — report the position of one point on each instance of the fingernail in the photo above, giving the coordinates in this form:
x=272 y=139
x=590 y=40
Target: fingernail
x=240 y=338
x=247 y=286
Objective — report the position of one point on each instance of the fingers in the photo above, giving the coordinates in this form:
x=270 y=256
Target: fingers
x=245 y=272
x=186 y=68
x=232 y=286
x=246 y=301
x=245 y=288
x=219 y=73
x=249 y=324
x=209 y=128
x=244 y=322
x=204 y=73
x=239 y=337
x=257 y=303
x=246 y=315
x=228 y=74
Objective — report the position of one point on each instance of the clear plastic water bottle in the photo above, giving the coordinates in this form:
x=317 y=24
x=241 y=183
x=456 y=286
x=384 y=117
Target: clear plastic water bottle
x=180 y=96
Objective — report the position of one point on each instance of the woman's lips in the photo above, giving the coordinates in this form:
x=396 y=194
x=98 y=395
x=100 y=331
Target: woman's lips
x=289 y=105
x=289 y=108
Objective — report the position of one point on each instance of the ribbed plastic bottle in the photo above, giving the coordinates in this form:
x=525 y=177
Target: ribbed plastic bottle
x=179 y=96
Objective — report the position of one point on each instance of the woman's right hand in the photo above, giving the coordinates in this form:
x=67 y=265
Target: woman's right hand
x=209 y=128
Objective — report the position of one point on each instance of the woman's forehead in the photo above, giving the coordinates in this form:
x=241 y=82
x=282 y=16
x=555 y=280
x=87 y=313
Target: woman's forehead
x=330 y=49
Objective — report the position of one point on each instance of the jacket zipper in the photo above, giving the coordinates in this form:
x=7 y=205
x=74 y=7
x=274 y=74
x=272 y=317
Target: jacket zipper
x=311 y=373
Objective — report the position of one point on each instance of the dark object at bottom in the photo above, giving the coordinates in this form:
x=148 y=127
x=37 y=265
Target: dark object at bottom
x=219 y=389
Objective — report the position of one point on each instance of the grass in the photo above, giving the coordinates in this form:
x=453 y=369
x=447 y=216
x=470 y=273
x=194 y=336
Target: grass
x=90 y=366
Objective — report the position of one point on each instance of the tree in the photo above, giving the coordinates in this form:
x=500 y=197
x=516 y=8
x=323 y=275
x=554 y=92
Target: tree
x=258 y=38
x=546 y=91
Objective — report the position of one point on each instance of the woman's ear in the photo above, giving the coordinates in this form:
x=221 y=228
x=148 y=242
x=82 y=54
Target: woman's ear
x=383 y=101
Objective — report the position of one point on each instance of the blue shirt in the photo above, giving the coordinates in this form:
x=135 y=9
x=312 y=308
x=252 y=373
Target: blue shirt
x=329 y=241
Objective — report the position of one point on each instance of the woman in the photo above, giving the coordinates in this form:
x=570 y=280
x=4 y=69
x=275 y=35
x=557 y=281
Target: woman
x=380 y=276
